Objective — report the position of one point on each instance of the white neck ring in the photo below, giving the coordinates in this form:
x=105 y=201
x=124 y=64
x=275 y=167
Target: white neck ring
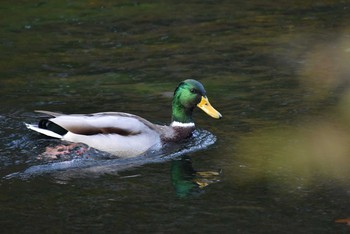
x=183 y=125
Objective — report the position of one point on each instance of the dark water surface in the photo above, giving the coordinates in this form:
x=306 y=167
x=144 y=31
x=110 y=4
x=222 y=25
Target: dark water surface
x=277 y=71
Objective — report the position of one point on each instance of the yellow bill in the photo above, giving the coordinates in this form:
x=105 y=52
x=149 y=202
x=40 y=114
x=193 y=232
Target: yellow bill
x=207 y=108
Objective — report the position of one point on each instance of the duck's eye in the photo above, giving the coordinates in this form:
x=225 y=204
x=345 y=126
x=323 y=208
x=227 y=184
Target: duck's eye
x=193 y=91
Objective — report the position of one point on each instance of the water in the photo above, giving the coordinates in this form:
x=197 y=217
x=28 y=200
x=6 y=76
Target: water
x=278 y=72
x=94 y=162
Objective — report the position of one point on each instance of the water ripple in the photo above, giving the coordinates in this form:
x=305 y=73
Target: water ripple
x=101 y=163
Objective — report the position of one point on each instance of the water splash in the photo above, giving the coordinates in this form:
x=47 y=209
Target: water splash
x=102 y=163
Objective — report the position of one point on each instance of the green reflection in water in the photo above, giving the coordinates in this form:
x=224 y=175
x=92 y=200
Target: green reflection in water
x=187 y=181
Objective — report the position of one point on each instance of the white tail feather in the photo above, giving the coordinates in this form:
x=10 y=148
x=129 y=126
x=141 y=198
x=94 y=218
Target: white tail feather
x=43 y=131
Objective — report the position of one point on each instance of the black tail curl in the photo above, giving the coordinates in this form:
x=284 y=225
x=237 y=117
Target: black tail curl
x=47 y=124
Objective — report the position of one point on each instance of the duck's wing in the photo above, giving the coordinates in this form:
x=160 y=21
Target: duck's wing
x=51 y=113
x=118 y=133
x=103 y=123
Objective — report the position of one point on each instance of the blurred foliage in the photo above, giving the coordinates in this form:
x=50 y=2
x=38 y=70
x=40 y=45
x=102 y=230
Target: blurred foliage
x=313 y=150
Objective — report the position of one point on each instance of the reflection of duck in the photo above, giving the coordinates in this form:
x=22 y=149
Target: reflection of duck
x=128 y=135
x=344 y=221
x=187 y=181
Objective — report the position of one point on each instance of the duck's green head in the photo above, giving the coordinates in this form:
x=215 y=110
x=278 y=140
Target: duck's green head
x=188 y=95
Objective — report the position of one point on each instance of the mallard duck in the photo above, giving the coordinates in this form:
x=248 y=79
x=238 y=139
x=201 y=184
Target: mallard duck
x=128 y=135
